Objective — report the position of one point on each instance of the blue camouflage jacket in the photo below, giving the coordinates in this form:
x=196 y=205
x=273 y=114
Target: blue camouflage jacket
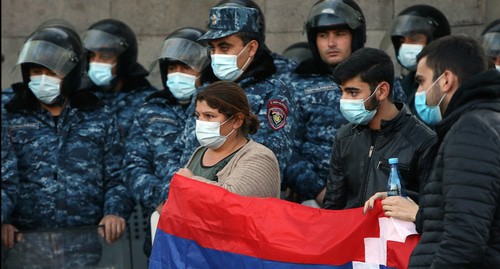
x=320 y=118
x=125 y=104
x=151 y=158
x=273 y=103
x=10 y=181
x=69 y=168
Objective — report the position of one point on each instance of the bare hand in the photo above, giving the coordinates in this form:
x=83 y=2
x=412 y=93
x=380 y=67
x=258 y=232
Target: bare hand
x=371 y=201
x=185 y=172
x=319 y=198
x=114 y=226
x=403 y=208
x=8 y=233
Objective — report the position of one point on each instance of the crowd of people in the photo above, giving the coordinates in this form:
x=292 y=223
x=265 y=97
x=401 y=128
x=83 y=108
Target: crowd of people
x=85 y=136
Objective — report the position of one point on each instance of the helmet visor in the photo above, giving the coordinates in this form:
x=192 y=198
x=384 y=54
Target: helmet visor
x=336 y=8
x=186 y=51
x=58 y=59
x=100 y=41
x=407 y=25
x=491 y=44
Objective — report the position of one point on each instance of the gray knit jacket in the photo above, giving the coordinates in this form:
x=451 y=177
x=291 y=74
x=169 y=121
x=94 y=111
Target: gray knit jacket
x=253 y=171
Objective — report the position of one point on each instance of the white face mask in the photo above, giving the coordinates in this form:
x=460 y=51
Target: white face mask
x=225 y=67
x=181 y=85
x=208 y=134
x=497 y=67
x=407 y=55
x=45 y=88
x=100 y=73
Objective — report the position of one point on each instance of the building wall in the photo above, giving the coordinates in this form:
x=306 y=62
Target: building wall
x=152 y=20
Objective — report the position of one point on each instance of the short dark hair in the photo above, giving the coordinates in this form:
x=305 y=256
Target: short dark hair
x=461 y=55
x=229 y=98
x=372 y=65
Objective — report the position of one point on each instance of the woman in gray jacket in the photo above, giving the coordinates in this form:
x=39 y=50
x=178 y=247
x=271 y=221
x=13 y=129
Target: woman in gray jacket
x=227 y=157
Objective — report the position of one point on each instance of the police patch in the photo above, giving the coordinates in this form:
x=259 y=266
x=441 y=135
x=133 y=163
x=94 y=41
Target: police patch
x=276 y=114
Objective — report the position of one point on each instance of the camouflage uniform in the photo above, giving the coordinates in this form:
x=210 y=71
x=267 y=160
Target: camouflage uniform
x=10 y=181
x=319 y=98
x=69 y=171
x=125 y=104
x=7 y=95
x=150 y=159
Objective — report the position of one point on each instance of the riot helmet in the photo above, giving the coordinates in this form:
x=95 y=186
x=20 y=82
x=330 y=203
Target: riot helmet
x=114 y=36
x=336 y=14
x=182 y=46
x=490 y=39
x=298 y=52
x=56 y=48
x=421 y=19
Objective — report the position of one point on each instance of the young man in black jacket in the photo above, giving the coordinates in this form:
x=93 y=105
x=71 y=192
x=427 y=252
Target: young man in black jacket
x=459 y=215
x=379 y=129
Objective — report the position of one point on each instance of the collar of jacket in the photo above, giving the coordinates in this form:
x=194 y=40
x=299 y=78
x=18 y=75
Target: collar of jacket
x=482 y=91
x=260 y=68
x=311 y=66
x=164 y=94
x=388 y=126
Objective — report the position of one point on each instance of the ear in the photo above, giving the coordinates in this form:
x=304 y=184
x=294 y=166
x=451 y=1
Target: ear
x=252 y=48
x=449 y=82
x=238 y=120
x=383 y=91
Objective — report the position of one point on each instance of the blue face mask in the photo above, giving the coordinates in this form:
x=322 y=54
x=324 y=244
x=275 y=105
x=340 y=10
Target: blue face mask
x=225 y=67
x=100 y=73
x=407 y=55
x=45 y=88
x=431 y=115
x=355 y=112
x=181 y=85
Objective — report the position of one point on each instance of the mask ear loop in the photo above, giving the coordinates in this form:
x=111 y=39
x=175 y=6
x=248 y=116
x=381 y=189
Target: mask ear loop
x=442 y=98
x=248 y=60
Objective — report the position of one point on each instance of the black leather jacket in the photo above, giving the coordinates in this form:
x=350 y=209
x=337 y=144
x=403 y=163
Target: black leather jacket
x=359 y=162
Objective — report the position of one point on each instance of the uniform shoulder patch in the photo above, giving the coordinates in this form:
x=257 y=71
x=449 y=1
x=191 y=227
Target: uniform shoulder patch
x=277 y=112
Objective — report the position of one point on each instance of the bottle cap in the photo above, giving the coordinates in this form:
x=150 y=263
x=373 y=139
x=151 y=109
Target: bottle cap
x=393 y=160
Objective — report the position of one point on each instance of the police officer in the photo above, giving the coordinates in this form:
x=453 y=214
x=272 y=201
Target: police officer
x=113 y=70
x=413 y=28
x=335 y=29
x=67 y=147
x=237 y=55
x=151 y=159
x=490 y=40
x=284 y=66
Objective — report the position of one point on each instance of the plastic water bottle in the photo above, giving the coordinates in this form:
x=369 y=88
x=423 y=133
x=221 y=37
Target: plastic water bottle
x=394 y=182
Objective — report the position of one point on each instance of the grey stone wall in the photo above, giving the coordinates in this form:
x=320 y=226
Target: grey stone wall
x=152 y=20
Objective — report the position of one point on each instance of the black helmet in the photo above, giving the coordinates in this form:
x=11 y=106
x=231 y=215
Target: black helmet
x=114 y=35
x=261 y=24
x=419 y=19
x=182 y=46
x=56 y=48
x=490 y=38
x=327 y=14
x=298 y=52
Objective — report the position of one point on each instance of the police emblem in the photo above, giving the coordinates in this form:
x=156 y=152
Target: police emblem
x=277 y=112
x=214 y=19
